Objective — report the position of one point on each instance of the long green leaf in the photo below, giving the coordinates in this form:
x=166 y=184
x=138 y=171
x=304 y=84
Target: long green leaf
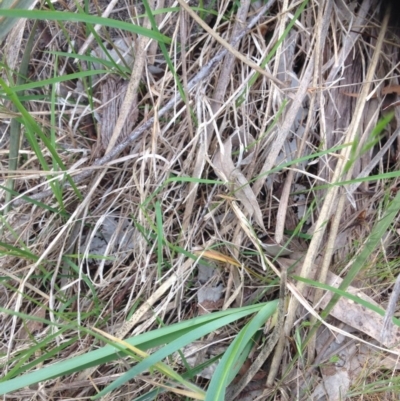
x=89 y=19
x=93 y=60
x=7 y=23
x=178 y=344
x=219 y=381
x=111 y=352
x=57 y=79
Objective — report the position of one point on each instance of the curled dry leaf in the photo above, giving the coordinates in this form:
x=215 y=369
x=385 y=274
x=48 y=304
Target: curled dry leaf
x=208 y=306
x=228 y=171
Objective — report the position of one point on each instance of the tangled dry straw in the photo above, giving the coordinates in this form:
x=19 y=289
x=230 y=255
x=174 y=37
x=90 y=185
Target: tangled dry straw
x=265 y=85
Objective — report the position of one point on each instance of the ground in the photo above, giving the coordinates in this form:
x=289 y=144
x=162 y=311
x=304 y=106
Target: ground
x=199 y=182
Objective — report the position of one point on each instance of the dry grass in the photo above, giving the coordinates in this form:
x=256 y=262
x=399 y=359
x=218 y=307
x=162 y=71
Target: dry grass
x=249 y=153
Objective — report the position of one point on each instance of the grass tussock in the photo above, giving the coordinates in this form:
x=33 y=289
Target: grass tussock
x=173 y=174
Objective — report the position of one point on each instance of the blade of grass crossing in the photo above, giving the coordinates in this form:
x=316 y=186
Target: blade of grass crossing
x=6 y=24
x=163 y=368
x=111 y=61
x=343 y=293
x=189 y=374
x=8 y=249
x=27 y=355
x=37 y=203
x=124 y=71
x=57 y=80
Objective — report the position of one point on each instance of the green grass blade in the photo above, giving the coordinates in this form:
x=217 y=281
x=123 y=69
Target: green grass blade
x=6 y=24
x=165 y=51
x=174 y=346
x=57 y=185
x=347 y=295
x=269 y=56
x=12 y=250
x=220 y=379
x=19 y=367
x=124 y=71
x=89 y=19
x=37 y=203
x=109 y=353
x=57 y=79
x=15 y=127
